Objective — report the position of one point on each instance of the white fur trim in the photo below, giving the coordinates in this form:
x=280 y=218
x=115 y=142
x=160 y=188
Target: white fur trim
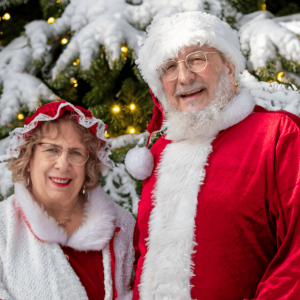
x=107 y=273
x=98 y=224
x=43 y=226
x=95 y=232
x=139 y=162
x=172 y=30
x=237 y=109
x=168 y=266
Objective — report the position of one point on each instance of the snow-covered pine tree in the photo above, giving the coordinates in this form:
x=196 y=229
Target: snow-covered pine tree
x=84 y=51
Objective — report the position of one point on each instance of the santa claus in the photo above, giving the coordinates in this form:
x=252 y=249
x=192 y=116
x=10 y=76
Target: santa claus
x=219 y=216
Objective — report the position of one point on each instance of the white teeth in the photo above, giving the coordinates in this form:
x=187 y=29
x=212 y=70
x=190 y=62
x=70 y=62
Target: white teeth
x=60 y=181
x=184 y=95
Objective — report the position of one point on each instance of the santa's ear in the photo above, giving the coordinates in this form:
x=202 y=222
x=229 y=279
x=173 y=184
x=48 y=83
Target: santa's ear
x=230 y=68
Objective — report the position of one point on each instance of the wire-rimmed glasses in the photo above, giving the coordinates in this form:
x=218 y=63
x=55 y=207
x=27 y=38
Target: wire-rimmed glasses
x=196 y=62
x=76 y=156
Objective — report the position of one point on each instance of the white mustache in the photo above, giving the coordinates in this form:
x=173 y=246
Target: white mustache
x=189 y=89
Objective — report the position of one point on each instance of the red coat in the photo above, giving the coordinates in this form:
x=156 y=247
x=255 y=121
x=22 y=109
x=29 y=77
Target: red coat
x=247 y=218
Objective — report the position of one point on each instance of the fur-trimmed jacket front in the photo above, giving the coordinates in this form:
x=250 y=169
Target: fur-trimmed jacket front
x=32 y=263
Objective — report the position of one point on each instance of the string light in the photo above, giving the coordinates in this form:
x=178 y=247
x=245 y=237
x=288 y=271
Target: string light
x=116 y=109
x=57 y=1
x=131 y=130
x=124 y=49
x=76 y=62
x=279 y=76
x=6 y=16
x=132 y=106
x=20 y=116
x=51 y=20
x=106 y=134
x=73 y=80
x=64 y=41
x=264 y=6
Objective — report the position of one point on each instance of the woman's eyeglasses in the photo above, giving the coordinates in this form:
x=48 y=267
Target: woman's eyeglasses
x=76 y=156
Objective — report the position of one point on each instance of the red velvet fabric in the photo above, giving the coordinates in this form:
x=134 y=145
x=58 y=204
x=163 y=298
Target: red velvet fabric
x=157 y=117
x=247 y=224
x=88 y=267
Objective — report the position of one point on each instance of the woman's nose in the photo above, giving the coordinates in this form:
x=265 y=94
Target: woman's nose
x=63 y=162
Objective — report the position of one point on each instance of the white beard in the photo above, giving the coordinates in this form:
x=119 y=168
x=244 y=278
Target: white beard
x=201 y=123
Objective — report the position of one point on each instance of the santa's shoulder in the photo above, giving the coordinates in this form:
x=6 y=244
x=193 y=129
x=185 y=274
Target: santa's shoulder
x=284 y=120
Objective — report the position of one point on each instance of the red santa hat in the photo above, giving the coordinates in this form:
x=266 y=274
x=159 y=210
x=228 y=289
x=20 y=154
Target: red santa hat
x=53 y=111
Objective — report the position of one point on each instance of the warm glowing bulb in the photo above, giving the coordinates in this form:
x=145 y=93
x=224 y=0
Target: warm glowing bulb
x=57 y=1
x=6 y=16
x=131 y=130
x=116 y=109
x=132 y=106
x=76 y=62
x=263 y=7
x=76 y=85
x=73 y=80
x=124 y=49
x=106 y=134
x=51 y=20
x=20 y=116
x=279 y=76
x=64 y=41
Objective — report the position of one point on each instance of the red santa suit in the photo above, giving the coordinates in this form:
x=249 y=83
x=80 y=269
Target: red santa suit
x=219 y=217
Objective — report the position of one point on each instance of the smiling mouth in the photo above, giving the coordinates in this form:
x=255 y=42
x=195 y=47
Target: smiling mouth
x=61 y=181
x=192 y=93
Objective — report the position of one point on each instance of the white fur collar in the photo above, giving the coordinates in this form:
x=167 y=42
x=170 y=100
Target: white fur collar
x=95 y=232
x=168 y=266
x=235 y=111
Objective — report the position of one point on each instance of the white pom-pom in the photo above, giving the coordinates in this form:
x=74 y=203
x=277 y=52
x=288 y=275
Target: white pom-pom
x=139 y=162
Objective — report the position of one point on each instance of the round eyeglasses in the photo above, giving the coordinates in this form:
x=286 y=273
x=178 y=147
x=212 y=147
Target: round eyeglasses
x=76 y=156
x=196 y=62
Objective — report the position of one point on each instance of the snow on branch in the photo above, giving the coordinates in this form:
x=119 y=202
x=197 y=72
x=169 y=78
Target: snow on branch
x=109 y=30
x=141 y=15
x=19 y=88
x=129 y=139
x=5 y=174
x=272 y=96
x=122 y=188
x=262 y=37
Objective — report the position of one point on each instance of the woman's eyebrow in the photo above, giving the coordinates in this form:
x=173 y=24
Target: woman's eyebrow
x=69 y=148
